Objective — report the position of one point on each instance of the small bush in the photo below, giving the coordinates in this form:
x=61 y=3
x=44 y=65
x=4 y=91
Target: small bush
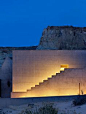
x=28 y=112
x=79 y=101
x=46 y=110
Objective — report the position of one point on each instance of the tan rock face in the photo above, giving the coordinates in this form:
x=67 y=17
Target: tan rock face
x=62 y=38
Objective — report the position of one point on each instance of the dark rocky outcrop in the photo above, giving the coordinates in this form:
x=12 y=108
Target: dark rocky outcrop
x=63 y=38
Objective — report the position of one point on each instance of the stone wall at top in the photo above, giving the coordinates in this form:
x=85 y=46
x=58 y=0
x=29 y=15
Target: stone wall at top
x=63 y=38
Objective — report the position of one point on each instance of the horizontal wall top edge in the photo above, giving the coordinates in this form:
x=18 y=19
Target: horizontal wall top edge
x=49 y=50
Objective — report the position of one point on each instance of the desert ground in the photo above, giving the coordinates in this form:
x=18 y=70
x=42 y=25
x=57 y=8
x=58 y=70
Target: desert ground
x=66 y=107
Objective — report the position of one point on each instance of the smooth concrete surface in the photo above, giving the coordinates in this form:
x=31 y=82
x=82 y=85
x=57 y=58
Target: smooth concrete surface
x=33 y=67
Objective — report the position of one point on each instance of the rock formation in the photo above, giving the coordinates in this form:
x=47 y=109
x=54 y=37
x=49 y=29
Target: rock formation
x=63 y=38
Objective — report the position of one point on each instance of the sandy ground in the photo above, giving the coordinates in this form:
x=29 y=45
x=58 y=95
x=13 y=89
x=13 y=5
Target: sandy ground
x=62 y=107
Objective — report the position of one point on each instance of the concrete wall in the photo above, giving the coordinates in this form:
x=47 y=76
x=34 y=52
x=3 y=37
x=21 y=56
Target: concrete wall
x=32 y=67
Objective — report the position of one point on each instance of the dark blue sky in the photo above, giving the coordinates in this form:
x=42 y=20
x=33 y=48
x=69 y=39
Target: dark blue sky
x=22 y=21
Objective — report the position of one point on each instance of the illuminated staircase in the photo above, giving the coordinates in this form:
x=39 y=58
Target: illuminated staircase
x=61 y=84
x=45 y=81
x=62 y=68
x=55 y=86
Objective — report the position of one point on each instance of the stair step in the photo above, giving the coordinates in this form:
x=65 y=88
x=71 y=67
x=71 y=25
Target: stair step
x=45 y=81
x=49 y=79
x=32 y=88
x=53 y=75
x=61 y=71
x=40 y=83
x=57 y=74
x=36 y=85
x=28 y=90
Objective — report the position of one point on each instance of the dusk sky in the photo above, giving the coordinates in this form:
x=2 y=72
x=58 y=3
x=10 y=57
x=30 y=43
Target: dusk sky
x=22 y=21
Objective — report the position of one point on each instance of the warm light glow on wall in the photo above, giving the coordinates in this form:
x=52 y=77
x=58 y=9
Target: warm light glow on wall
x=22 y=96
x=62 y=67
x=13 y=95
